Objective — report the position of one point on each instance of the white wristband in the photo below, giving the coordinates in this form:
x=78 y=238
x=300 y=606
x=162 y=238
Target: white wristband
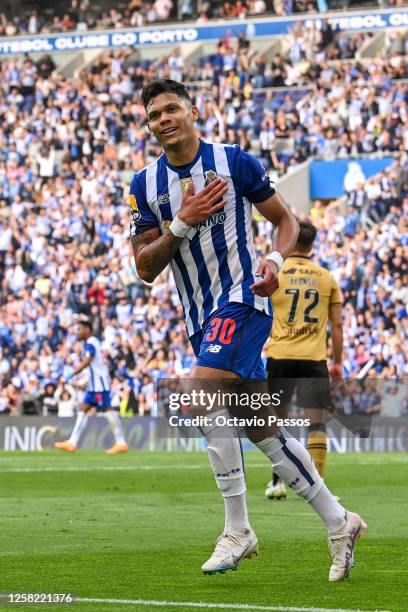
x=276 y=257
x=181 y=229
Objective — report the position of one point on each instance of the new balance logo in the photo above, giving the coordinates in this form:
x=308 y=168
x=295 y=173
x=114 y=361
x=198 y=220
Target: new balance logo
x=213 y=348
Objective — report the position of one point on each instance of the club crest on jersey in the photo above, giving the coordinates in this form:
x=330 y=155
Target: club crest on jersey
x=210 y=176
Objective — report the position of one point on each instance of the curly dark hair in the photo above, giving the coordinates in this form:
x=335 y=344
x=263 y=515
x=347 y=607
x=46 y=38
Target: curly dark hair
x=159 y=86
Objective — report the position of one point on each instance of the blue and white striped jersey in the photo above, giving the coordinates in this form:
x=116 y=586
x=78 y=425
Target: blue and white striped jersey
x=218 y=264
x=99 y=379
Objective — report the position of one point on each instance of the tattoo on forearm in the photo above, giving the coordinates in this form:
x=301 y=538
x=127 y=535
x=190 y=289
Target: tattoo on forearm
x=153 y=253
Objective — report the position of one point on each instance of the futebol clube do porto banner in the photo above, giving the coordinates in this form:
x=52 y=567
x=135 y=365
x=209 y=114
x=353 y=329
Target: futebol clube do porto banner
x=370 y=20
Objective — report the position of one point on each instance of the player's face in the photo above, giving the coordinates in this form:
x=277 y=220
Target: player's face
x=171 y=120
x=81 y=331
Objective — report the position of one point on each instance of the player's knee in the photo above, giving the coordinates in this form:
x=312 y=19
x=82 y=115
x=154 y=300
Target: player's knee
x=264 y=427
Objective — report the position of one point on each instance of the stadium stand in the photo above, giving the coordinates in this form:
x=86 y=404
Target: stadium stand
x=21 y=18
x=70 y=146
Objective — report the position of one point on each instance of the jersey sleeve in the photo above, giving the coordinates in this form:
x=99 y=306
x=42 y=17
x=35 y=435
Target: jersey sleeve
x=90 y=350
x=335 y=294
x=141 y=216
x=255 y=182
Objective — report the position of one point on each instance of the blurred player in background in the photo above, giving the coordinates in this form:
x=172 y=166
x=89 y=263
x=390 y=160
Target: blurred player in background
x=179 y=216
x=97 y=396
x=308 y=296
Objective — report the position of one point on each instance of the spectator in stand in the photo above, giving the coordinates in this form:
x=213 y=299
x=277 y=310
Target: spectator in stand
x=82 y=15
x=66 y=400
x=186 y=9
x=163 y=9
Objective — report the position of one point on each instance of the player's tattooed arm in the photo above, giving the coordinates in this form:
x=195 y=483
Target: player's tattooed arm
x=153 y=251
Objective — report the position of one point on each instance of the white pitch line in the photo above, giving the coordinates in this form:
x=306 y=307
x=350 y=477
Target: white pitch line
x=136 y=468
x=109 y=468
x=102 y=468
x=119 y=468
x=222 y=606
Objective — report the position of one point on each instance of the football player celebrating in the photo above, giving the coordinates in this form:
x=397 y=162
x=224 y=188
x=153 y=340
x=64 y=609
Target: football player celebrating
x=192 y=208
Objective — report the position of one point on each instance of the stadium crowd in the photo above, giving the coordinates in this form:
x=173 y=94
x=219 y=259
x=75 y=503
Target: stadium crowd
x=289 y=107
x=82 y=15
x=68 y=151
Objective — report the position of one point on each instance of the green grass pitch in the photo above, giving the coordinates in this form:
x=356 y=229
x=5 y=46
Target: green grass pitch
x=139 y=526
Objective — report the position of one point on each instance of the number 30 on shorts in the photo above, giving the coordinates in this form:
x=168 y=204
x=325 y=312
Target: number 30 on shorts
x=222 y=330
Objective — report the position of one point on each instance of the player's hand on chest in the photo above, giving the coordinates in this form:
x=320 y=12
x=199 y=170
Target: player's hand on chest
x=197 y=205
